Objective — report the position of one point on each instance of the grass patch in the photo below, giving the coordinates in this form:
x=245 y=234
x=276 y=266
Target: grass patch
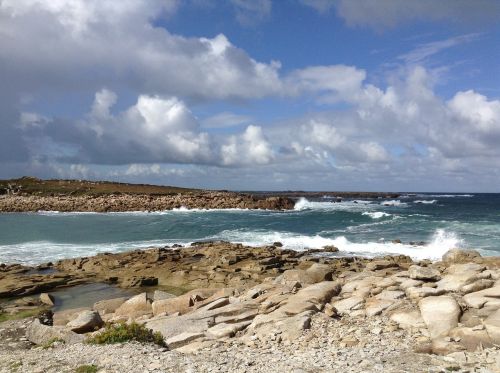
x=122 y=332
x=50 y=343
x=4 y=316
x=86 y=369
x=15 y=366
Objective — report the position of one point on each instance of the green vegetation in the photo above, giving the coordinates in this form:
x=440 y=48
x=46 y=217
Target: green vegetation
x=122 y=332
x=50 y=343
x=15 y=366
x=86 y=369
x=34 y=186
x=452 y=369
x=4 y=316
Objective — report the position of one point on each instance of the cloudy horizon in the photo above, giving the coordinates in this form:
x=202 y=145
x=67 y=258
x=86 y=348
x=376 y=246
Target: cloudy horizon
x=253 y=95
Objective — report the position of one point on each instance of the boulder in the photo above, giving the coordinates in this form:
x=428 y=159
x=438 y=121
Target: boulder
x=224 y=330
x=477 y=286
x=344 y=306
x=460 y=275
x=182 y=303
x=135 y=307
x=472 y=338
x=47 y=299
x=460 y=256
x=423 y=273
x=484 y=298
x=85 y=321
x=42 y=334
x=440 y=314
x=376 y=265
x=411 y=319
x=492 y=324
x=319 y=272
x=168 y=306
x=417 y=293
x=61 y=318
x=108 y=305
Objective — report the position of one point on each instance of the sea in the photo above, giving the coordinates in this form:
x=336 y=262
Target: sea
x=421 y=225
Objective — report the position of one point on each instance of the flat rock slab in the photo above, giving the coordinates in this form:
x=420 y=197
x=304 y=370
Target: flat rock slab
x=440 y=314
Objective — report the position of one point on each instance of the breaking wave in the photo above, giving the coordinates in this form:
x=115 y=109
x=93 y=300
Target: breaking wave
x=376 y=214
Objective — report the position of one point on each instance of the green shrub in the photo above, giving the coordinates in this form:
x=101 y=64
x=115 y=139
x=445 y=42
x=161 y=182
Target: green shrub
x=122 y=332
x=86 y=369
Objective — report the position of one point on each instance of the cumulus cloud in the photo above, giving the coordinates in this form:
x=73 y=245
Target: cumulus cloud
x=250 y=148
x=116 y=44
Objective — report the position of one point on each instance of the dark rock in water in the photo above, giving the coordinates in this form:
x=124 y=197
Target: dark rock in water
x=277 y=244
x=396 y=241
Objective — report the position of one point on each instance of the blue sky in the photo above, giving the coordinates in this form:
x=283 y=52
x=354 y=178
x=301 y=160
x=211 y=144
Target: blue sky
x=241 y=94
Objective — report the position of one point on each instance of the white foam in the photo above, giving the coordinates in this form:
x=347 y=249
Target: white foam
x=395 y=202
x=426 y=202
x=376 y=214
x=303 y=204
x=449 y=195
x=34 y=252
x=439 y=244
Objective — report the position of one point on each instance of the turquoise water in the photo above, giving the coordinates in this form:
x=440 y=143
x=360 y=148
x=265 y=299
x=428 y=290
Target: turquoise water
x=356 y=227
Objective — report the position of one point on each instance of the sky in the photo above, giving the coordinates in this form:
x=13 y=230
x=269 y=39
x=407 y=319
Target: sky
x=387 y=95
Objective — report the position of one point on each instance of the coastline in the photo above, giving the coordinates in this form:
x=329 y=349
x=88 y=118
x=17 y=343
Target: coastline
x=216 y=297
x=141 y=202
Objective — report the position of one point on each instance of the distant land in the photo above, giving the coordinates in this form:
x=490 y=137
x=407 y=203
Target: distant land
x=32 y=186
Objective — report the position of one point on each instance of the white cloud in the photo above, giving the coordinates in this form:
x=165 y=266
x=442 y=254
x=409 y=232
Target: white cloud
x=423 y=51
x=116 y=44
x=250 y=148
x=224 y=120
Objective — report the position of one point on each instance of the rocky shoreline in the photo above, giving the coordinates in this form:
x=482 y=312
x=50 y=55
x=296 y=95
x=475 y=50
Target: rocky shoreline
x=141 y=202
x=226 y=307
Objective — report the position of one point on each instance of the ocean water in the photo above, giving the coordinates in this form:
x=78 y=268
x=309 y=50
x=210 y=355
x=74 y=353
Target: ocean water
x=427 y=225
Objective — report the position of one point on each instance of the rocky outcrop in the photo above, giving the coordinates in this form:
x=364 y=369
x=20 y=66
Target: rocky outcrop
x=270 y=293
x=138 y=202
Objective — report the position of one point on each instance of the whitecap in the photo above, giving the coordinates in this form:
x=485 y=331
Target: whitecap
x=395 y=202
x=376 y=214
x=425 y=202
